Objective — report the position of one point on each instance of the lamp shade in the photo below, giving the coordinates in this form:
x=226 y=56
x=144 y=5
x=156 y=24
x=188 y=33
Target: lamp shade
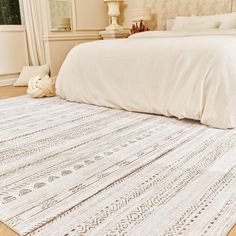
x=65 y=22
x=142 y=13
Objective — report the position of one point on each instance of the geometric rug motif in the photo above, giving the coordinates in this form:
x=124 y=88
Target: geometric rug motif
x=75 y=169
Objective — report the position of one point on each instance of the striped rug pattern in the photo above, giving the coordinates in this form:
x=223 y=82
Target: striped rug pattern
x=75 y=169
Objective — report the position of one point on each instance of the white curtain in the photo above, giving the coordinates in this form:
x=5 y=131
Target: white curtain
x=32 y=12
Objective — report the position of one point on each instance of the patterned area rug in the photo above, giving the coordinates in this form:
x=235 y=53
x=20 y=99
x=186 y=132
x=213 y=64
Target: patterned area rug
x=74 y=169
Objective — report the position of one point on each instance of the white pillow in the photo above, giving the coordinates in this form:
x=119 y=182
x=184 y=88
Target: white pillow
x=180 y=21
x=29 y=72
x=205 y=19
x=228 y=21
x=201 y=26
x=196 y=22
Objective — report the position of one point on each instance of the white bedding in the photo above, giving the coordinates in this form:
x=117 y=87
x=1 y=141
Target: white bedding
x=182 y=74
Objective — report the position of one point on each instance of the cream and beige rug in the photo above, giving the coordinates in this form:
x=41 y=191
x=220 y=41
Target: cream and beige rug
x=74 y=169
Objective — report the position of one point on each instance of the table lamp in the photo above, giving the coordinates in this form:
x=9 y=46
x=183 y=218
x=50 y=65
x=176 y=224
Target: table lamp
x=114 y=13
x=114 y=30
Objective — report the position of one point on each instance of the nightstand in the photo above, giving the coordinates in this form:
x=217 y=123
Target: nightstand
x=118 y=34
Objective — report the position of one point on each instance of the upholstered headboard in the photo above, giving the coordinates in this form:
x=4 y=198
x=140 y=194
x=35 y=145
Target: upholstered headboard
x=169 y=9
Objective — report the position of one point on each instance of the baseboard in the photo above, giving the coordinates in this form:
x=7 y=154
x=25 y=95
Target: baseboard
x=11 y=81
x=7 y=82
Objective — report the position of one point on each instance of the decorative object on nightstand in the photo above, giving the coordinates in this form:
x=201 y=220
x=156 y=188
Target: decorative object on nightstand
x=114 y=30
x=140 y=15
x=65 y=24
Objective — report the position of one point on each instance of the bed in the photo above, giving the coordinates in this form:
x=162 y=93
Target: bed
x=183 y=74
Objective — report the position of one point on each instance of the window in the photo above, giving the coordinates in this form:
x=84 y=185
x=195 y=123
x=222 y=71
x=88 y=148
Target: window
x=10 y=12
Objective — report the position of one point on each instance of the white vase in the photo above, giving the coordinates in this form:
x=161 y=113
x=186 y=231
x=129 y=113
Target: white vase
x=114 y=13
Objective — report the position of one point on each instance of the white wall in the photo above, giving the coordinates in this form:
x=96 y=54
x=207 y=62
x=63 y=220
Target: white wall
x=13 y=50
x=126 y=7
x=88 y=18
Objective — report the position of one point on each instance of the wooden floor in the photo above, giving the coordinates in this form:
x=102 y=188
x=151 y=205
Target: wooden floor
x=10 y=91
x=233 y=231
x=6 y=231
x=6 y=92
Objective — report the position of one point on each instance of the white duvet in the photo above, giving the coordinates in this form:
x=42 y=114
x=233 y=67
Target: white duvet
x=186 y=75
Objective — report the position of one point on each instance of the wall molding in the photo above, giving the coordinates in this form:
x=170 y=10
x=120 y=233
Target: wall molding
x=8 y=79
x=9 y=75
x=72 y=37
x=12 y=28
x=84 y=29
x=77 y=30
x=7 y=82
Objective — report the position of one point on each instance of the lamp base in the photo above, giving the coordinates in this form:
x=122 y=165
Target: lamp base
x=114 y=34
x=114 y=27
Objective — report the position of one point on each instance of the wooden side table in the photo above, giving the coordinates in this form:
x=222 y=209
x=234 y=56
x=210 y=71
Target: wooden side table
x=119 y=34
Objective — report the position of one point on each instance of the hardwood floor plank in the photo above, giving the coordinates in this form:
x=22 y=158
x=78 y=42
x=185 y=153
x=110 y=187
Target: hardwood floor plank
x=6 y=231
x=10 y=91
x=233 y=231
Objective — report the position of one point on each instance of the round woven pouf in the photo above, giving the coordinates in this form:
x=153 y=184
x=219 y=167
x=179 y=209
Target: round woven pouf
x=39 y=87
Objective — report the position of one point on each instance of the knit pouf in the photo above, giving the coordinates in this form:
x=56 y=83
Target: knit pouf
x=39 y=87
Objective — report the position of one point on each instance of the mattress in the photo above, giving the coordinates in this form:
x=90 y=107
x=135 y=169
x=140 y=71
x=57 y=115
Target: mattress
x=183 y=74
